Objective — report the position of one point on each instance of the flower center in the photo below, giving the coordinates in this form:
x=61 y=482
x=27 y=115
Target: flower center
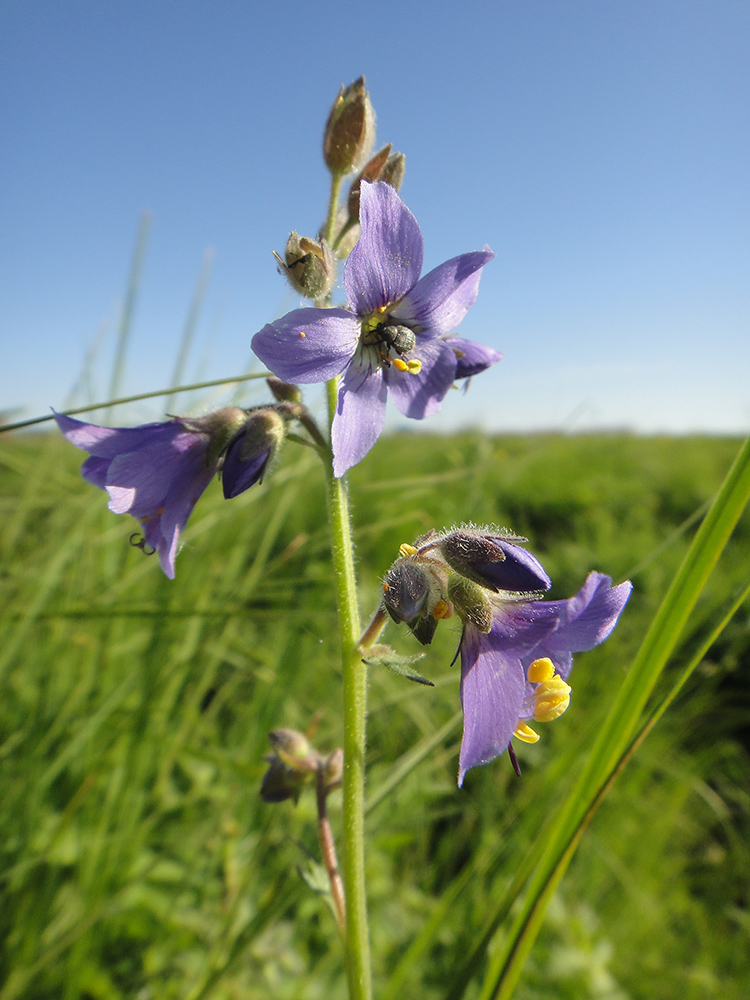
x=391 y=341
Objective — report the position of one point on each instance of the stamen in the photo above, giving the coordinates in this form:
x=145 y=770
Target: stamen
x=551 y=699
x=414 y=366
x=400 y=365
x=301 y=333
x=541 y=670
x=525 y=733
x=442 y=610
x=406 y=550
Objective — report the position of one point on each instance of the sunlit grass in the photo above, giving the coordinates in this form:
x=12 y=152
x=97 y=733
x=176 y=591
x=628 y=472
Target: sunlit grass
x=137 y=857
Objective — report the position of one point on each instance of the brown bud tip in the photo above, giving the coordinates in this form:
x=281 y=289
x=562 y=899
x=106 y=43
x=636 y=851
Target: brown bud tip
x=350 y=129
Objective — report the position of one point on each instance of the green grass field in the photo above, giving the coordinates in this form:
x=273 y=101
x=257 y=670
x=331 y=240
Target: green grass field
x=137 y=859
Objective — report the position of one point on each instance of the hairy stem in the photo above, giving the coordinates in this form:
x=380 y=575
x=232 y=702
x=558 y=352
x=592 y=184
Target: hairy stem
x=354 y=677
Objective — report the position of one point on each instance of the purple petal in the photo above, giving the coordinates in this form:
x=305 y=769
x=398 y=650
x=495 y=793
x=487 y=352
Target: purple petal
x=472 y=358
x=308 y=345
x=419 y=395
x=441 y=299
x=584 y=620
x=238 y=475
x=492 y=692
x=521 y=626
x=360 y=414
x=387 y=259
x=177 y=509
x=138 y=481
x=108 y=442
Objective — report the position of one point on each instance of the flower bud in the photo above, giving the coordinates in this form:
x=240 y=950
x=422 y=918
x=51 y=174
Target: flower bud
x=382 y=167
x=220 y=426
x=492 y=561
x=394 y=170
x=285 y=392
x=350 y=129
x=251 y=450
x=413 y=593
x=293 y=761
x=309 y=266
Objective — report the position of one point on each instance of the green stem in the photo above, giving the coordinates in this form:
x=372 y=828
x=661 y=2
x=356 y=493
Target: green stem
x=354 y=676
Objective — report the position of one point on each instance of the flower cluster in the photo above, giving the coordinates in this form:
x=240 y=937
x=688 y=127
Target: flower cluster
x=516 y=649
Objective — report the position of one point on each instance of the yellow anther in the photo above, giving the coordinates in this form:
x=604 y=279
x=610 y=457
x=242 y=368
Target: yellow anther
x=442 y=610
x=414 y=367
x=406 y=550
x=525 y=733
x=541 y=670
x=551 y=699
x=302 y=334
x=400 y=365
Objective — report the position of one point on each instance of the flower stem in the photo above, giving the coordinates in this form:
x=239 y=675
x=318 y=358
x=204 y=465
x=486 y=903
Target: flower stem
x=354 y=676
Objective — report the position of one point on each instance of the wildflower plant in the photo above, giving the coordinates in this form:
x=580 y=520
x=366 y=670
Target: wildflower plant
x=396 y=334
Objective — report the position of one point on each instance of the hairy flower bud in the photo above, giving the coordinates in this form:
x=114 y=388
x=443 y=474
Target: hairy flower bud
x=394 y=170
x=350 y=129
x=309 y=266
x=285 y=392
x=491 y=560
x=414 y=593
x=251 y=450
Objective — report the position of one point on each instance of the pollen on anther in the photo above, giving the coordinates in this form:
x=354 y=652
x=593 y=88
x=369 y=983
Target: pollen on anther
x=406 y=550
x=400 y=365
x=525 y=733
x=541 y=670
x=302 y=334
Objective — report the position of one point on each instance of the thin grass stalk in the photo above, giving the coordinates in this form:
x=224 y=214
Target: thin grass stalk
x=191 y=321
x=126 y=318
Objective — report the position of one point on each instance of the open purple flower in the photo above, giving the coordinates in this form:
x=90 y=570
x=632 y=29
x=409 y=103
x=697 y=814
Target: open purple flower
x=393 y=335
x=518 y=670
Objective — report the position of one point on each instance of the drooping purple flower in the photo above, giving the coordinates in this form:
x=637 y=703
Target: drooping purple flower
x=392 y=337
x=157 y=472
x=517 y=671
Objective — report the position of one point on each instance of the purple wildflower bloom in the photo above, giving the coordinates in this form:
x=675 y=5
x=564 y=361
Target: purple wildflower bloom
x=391 y=337
x=500 y=669
x=156 y=472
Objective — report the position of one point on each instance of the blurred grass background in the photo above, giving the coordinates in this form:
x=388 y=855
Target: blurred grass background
x=136 y=857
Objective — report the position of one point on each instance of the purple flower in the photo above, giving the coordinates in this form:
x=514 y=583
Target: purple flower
x=392 y=336
x=157 y=472
x=517 y=671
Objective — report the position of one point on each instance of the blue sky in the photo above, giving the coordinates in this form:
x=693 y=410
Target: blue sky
x=600 y=148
